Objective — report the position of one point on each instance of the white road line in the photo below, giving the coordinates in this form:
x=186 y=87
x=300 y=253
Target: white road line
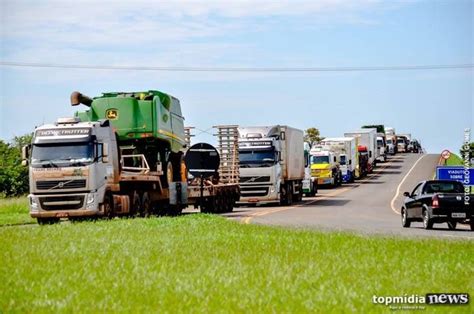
x=392 y=203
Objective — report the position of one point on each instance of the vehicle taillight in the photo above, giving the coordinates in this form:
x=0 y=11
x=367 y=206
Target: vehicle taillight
x=435 y=202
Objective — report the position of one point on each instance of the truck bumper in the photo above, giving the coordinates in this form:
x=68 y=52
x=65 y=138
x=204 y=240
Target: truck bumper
x=254 y=194
x=326 y=181
x=64 y=205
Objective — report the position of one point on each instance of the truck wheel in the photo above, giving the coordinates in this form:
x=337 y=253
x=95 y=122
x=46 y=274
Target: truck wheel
x=427 y=221
x=285 y=196
x=209 y=205
x=108 y=205
x=47 y=221
x=452 y=224
x=145 y=208
x=136 y=205
x=405 y=221
x=175 y=210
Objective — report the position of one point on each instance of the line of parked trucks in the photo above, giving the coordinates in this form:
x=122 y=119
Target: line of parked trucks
x=124 y=156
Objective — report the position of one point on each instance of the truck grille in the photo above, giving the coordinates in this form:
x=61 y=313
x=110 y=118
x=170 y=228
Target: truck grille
x=65 y=202
x=253 y=191
x=254 y=179
x=61 y=184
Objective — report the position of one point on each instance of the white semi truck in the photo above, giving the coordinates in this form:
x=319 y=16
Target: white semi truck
x=381 y=147
x=272 y=164
x=368 y=138
x=346 y=149
x=310 y=184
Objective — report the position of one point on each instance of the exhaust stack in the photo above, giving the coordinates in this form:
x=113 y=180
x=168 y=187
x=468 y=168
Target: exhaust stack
x=77 y=98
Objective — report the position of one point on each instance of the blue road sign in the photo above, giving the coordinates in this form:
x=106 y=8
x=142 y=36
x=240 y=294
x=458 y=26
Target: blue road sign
x=455 y=173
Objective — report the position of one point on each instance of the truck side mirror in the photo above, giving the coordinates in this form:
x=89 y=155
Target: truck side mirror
x=370 y=154
x=25 y=155
x=335 y=160
x=350 y=162
x=105 y=152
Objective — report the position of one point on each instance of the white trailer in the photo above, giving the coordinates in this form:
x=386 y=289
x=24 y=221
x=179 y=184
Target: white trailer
x=368 y=138
x=272 y=164
x=346 y=149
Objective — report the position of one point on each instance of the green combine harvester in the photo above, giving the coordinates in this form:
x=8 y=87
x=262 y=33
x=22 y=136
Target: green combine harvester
x=148 y=123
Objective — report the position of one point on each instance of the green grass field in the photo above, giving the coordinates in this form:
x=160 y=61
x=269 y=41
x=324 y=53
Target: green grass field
x=14 y=211
x=454 y=160
x=203 y=263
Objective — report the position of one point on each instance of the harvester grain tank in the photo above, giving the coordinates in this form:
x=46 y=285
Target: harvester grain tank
x=271 y=164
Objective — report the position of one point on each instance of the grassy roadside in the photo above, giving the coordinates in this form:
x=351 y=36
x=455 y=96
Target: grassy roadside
x=14 y=211
x=454 y=160
x=202 y=263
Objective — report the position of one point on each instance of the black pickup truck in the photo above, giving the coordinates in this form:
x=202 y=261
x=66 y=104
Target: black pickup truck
x=438 y=201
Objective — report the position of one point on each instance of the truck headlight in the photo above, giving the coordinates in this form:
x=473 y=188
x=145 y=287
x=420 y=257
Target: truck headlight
x=90 y=198
x=272 y=189
x=33 y=202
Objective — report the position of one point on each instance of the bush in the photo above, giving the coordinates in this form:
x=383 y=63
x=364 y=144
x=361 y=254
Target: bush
x=13 y=176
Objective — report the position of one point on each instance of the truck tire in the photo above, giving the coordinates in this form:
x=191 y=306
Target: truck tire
x=108 y=206
x=405 y=220
x=145 y=208
x=135 y=203
x=175 y=210
x=286 y=197
x=427 y=221
x=209 y=205
x=47 y=221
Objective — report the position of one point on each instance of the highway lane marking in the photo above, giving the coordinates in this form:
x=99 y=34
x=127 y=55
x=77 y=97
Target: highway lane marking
x=456 y=236
x=392 y=203
x=247 y=219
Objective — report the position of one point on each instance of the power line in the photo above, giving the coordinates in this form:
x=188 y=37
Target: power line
x=239 y=69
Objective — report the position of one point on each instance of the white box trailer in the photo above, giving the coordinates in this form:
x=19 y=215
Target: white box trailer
x=271 y=164
x=346 y=149
x=368 y=138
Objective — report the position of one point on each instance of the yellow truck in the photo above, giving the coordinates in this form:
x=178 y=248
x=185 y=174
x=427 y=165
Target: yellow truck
x=325 y=167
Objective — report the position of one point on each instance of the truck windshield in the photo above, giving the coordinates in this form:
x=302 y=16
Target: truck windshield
x=62 y=155
x=401 y=141
x=319 y=159
x=379 y=143
x=258 y=158
x=342 y=160
x=389 y=142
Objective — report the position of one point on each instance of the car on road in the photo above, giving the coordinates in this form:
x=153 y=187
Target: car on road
x=438 y=201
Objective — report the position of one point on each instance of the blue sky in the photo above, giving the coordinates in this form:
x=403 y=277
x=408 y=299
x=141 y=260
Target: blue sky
x=434 y=105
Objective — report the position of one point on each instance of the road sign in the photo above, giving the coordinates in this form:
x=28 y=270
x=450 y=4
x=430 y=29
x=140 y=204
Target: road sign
x=455 y=173
x=202 y=160
x=446 y=154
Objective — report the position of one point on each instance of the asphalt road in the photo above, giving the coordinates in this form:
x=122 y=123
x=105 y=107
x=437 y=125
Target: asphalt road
x=367 y=206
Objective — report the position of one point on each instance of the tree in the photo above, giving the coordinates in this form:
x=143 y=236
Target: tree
x=312 y=136
x=13 y=176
